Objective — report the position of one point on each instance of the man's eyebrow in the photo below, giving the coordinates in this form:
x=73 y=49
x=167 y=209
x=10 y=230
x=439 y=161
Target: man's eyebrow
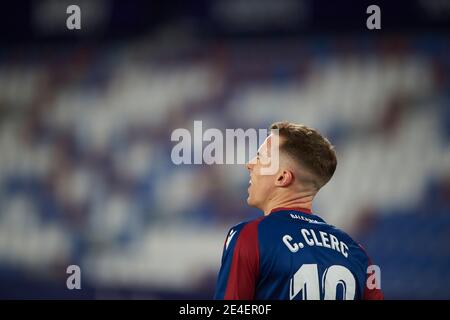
x=257 y=154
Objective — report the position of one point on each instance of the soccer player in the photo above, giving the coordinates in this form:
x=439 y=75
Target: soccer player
x=290 y=253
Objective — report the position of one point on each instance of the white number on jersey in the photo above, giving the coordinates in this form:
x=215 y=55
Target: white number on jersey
x=306 y=282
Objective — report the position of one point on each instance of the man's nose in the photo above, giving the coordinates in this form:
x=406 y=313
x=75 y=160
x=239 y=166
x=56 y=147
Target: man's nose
x=249 y=166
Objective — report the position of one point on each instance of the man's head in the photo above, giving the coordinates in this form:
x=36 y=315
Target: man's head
x=307 y=161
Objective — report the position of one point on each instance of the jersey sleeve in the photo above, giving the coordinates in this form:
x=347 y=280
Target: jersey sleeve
x=239 y=272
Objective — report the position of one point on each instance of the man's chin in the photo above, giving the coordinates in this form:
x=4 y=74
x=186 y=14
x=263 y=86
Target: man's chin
x=250 y=202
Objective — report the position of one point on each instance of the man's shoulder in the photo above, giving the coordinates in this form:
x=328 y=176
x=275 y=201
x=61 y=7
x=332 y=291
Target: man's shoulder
x=353 y=244
x=248 y=227
x=246 y=230
x=249 y=223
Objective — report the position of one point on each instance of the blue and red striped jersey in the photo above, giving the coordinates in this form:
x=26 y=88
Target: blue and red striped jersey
x=293 y=254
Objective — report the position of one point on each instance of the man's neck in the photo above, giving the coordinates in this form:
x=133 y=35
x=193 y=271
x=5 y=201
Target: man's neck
x=303 y=201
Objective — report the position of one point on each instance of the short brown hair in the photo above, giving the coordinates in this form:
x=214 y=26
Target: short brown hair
x=309 y=148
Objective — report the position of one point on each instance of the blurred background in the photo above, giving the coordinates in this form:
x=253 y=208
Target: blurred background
x=86 y=117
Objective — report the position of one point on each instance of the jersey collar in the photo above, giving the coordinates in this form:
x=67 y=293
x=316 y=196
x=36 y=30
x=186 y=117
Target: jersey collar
x=302 y=210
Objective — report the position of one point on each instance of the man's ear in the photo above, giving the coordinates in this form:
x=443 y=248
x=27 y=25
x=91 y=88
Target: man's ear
x=284 y=178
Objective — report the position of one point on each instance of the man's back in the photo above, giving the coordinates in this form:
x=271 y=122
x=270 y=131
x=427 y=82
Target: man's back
x=292 y=254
